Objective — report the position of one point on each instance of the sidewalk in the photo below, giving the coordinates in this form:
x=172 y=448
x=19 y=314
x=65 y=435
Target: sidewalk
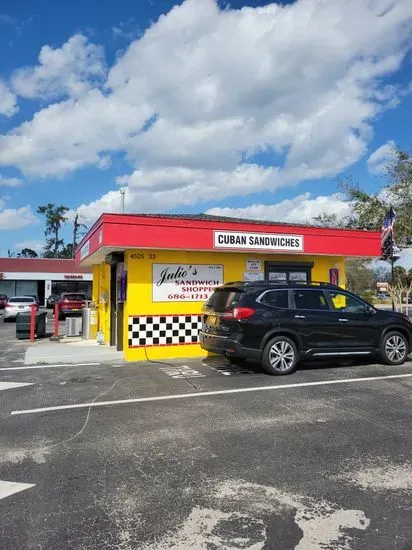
x=70 y=351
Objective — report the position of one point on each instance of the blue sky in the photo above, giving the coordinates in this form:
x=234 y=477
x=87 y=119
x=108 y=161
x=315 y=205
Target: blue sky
x=197 y=106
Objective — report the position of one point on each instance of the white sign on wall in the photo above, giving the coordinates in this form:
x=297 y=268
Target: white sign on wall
x=185 y=282
x=253 y=276
x=258 y=241
x=254 y=265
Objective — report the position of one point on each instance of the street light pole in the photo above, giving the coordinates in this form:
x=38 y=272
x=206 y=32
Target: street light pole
x=122 y=193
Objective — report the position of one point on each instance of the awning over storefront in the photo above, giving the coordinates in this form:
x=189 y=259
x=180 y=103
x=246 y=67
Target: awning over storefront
x=117 y=232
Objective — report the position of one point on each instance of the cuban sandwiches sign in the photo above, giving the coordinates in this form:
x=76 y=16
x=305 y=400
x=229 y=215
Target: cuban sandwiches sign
x=258 y=241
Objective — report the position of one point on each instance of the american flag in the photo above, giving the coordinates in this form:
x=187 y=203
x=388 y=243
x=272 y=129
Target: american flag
x=388 y=223
x=387 y=233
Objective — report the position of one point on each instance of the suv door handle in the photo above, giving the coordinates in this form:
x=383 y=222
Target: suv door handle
x=300 y=316
x=343 y=320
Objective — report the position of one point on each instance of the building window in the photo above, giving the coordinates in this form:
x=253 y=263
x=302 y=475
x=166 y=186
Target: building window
x=84 y=287
x=288 y=272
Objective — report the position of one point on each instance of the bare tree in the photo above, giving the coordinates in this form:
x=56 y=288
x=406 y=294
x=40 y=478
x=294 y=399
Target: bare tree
x=399 y=291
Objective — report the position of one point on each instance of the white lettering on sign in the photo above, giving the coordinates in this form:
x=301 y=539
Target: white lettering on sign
x=84 y=251
x=258 y=241
x=73 y=276
x=185 y=282
x=254 y=265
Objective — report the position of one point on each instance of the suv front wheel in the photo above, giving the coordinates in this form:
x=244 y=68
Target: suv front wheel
x=394 y=348
x=280 y=356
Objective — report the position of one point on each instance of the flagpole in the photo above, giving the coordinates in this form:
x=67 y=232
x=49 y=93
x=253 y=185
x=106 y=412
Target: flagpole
x=392 y=275
x=388 y=244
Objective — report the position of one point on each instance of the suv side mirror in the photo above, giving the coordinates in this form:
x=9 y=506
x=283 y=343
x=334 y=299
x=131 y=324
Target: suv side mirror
x=370 y=311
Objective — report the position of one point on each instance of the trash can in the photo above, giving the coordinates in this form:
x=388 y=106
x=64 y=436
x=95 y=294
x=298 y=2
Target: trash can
x=41 y=319
x=89 y=324
x=23 y=325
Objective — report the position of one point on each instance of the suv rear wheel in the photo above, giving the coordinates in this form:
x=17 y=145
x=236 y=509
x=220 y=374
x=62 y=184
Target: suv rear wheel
x=394 y=348
x=280 y=356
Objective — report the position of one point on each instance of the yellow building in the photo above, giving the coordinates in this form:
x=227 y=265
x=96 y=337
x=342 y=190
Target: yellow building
x=153 y=273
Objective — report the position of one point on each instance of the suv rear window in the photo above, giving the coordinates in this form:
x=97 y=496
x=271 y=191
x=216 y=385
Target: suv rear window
x=224 y=299
x=75 y=297
x=276 y=298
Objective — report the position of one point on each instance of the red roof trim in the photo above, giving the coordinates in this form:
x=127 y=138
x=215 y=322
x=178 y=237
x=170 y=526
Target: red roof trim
x=196 y=233
x=247 y=225
x=41 y=265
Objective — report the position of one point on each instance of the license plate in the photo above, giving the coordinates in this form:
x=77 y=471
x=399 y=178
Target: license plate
x=21 y=307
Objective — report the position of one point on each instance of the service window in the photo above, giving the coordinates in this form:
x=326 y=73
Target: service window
x=276 y=298
x=278 y=276
x=299 y=276
x=346 y=303
x=310 y=299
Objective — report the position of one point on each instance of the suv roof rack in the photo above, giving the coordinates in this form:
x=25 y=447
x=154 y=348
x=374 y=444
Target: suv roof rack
x=285 y=283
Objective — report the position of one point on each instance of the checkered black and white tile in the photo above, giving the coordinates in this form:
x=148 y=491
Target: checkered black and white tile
x=164 y=330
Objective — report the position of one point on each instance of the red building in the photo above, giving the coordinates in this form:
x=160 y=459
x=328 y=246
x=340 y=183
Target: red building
x=43 y=277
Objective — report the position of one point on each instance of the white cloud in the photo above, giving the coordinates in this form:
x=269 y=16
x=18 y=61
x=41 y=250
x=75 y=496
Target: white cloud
x=157 y=190
x=33 y=244
x=10 y=182
x=127 y=30
x=303 y=81
x=380 y=158
x=17 y=218
x=67 y=71
x=8 y=101
x=300 y=209
x=69 y=135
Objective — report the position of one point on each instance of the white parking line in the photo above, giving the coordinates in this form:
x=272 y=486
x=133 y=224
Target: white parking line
x=51 y=366
x=208 y=393
x=8 y=488
x=12 y=385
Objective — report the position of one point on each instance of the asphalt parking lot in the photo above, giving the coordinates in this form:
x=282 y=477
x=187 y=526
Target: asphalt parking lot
x=203 y=455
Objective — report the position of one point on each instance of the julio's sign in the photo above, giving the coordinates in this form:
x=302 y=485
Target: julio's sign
x=185 y=282
x=258 y=241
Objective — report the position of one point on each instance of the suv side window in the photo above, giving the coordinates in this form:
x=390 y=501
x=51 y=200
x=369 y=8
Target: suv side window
x=310 y=299
x=276 y=298
x=346 y=303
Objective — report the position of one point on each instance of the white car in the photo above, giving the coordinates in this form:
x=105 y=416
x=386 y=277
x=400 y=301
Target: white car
x=18 y=304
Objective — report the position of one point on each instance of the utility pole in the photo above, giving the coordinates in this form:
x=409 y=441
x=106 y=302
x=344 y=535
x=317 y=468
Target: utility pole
x=122 y=194
x=76 y=226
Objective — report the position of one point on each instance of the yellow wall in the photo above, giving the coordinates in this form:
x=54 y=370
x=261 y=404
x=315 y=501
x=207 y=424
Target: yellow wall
x=139 y=291
x=101 y=296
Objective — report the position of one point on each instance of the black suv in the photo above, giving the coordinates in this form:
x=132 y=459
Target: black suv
x=279 y=324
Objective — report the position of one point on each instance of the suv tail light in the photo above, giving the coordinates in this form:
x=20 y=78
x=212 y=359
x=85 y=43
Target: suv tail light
x=239 y=313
